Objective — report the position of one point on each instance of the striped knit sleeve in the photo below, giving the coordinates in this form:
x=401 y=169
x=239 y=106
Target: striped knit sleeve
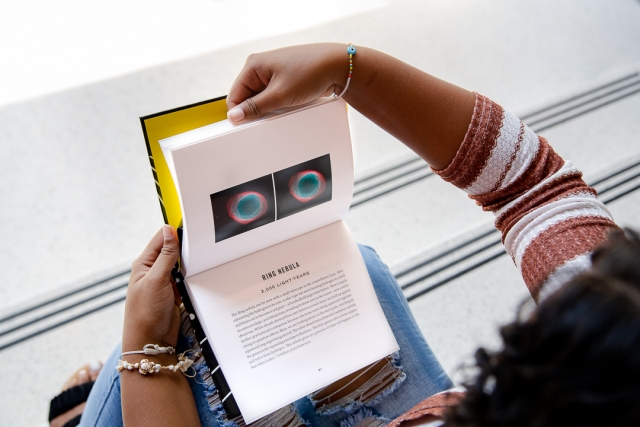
x=549 y=218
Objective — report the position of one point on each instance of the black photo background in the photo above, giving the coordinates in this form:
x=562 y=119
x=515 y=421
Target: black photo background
x=242 y=208
x=303 y=186
x=250 y=205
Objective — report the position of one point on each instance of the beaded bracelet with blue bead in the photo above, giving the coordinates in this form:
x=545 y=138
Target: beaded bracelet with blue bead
x=351 y=50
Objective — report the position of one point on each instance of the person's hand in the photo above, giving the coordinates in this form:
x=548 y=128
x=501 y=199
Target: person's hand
x=152 y=314
x=287 y=77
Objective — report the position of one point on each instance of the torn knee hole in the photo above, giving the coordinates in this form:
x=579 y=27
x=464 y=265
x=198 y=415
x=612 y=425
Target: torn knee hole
x=364 y=418
x=362 y=386
x=284 y=417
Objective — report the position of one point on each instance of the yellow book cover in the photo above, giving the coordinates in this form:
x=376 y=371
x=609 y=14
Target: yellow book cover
x=156 y=127
x=169 y=123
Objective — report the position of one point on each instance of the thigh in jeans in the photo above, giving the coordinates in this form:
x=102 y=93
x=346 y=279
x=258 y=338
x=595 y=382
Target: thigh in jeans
x=103 y=405
x=382 y=391
x=370 y=397
x=390 y=387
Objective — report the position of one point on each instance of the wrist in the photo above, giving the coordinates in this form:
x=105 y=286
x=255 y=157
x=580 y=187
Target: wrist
x=137 y=344
x=133 y=340
x=141 y=328
x=338 y=64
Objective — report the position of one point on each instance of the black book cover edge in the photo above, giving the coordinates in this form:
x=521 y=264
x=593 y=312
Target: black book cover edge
x=229 y=404
x=228 y=401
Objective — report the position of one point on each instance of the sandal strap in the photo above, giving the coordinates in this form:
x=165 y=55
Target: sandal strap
x=73 y=422
x=69 y=399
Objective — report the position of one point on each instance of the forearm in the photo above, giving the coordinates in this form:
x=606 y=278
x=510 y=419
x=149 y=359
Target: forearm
x=162 y=398
x=427 y=114
x=152 y=316
x=549 y=218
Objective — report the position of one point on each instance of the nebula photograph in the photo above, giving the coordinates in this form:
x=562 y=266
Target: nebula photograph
x=303 y=186
x=243 y=208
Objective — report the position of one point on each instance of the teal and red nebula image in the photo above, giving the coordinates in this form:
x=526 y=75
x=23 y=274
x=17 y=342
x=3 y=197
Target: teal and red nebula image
x=247 y=207
x=307 y=185
x=243 y=207
x=252 y=204
x=303 y=186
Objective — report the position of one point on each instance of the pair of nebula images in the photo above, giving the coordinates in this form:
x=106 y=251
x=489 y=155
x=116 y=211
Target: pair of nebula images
x=272 y=197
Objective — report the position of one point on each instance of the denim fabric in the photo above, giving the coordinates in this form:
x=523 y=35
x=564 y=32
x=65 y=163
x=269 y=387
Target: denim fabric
x=424 y=375
x=103 y=405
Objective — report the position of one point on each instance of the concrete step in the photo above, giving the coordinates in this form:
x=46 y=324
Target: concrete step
x=79 y=201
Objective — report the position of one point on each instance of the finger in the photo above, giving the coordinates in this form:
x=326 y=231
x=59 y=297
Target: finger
x=245 y=86
x=160 y=271
x=149 y=254
x=257 y=106
x=254 y=77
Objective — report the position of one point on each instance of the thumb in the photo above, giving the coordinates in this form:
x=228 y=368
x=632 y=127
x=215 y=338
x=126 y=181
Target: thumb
x=160 y=271
x=255 y=107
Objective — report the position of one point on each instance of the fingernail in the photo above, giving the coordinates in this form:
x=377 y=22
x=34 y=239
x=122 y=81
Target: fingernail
x=235 y=114
x=95 y=366
x=167 y=232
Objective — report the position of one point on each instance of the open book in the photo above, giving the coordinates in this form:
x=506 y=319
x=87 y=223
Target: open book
x=273 y=274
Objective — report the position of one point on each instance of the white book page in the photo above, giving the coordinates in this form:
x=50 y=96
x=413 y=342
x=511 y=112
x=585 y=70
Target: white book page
x=254 y=169
x=292 y=318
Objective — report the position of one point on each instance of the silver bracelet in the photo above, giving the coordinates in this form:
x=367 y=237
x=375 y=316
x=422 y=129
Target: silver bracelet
x=152 y=349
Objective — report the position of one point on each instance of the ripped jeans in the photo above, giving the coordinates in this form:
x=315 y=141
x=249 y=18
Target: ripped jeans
x=370 y=397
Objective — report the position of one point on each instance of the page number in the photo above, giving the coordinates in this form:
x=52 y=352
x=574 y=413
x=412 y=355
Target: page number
x=319 y=369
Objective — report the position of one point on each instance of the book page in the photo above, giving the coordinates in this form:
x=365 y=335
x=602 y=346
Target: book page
x=256 y=185
x=292 y=318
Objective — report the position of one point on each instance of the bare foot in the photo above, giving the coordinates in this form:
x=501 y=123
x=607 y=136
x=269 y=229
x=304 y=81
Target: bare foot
x=85 y=374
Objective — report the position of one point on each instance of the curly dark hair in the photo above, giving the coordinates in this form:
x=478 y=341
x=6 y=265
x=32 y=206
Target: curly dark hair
x=575 y=360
